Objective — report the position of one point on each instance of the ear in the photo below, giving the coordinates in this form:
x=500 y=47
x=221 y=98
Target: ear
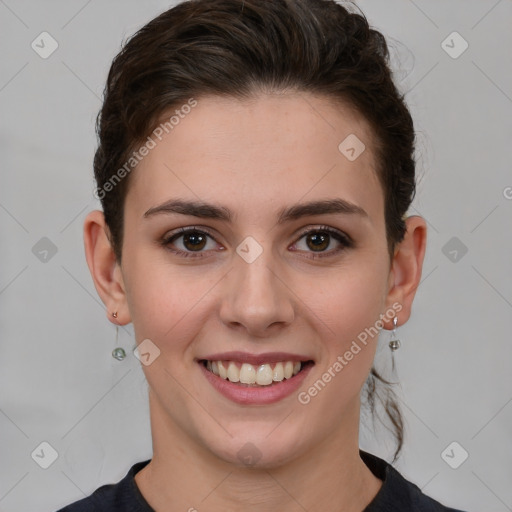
x=406 y=267
x=105 y=270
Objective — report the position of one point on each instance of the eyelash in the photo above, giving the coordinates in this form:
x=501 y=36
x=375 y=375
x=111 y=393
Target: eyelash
x=345 y=240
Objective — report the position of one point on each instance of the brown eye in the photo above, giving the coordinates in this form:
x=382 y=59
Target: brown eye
x=193 y=241
x=318 y=241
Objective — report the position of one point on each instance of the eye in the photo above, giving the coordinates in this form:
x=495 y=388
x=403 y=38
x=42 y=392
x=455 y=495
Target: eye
x=194 y=241
x=319 y=239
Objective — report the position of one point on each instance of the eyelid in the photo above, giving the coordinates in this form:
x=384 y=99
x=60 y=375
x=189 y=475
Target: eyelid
x=327 y=229
x=187 y=229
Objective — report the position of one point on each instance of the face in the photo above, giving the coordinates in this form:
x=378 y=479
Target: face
x=257 y=279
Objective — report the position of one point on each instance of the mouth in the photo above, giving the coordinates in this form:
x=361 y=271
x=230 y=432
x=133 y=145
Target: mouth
x=258 y=375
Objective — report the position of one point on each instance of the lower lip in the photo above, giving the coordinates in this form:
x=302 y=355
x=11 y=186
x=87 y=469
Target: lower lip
x=255 y=395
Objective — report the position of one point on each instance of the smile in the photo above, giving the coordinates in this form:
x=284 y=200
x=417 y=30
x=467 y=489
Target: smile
x=254 y=375
x=259 y=382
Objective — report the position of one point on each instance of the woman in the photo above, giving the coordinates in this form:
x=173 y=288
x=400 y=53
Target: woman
x=255 y=166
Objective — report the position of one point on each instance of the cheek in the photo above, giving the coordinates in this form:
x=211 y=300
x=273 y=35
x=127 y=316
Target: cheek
x=169 y=303
x=348 y=312
x=159 y=295
x=349 y=347
x=352 y=299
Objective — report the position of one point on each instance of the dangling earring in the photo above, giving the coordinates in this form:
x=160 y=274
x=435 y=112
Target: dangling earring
x=118 y=352
x=394 y=343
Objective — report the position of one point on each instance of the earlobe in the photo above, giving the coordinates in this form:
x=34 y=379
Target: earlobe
x=104 y=268
x=406 y=268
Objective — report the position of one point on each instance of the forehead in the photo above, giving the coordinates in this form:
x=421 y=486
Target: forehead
x=271 y=149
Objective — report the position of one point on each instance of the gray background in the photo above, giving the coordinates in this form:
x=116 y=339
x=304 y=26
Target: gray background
x=59 y=383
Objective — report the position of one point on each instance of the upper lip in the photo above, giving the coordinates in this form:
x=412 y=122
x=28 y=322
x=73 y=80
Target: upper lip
x=246 y=357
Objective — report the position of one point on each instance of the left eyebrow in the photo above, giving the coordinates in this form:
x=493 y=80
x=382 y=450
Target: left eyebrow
x=210 y=211
x=328 y=206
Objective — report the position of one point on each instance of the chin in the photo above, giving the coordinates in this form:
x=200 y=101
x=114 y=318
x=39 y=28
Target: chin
x=259 y=451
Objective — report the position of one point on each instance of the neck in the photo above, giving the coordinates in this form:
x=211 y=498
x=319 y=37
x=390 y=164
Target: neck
x=185 y=476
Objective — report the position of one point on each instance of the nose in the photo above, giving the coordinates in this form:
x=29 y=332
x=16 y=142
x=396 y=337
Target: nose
x=257 y=297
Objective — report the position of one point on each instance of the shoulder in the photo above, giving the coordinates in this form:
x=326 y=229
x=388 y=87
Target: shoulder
x=119 y=497
x=398 y=494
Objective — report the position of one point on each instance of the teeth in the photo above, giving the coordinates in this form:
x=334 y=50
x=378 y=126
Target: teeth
x=262 y=375
x=278 y=372
x=247 y=374
x=288 y=369
x=222 y=370
x=233 y=372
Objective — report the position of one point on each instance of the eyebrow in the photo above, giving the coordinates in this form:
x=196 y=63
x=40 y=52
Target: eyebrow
x=210 y=211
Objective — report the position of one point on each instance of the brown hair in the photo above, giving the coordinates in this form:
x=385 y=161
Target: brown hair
x=237 y=48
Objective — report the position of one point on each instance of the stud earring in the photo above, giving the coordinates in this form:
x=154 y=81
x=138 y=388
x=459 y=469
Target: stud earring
x=394 y=343
x=114 y=314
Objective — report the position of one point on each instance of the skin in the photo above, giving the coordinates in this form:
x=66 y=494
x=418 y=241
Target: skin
x=255 y=157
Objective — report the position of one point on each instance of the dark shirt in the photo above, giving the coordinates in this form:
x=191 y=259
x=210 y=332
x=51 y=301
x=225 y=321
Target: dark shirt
x=396 y=494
